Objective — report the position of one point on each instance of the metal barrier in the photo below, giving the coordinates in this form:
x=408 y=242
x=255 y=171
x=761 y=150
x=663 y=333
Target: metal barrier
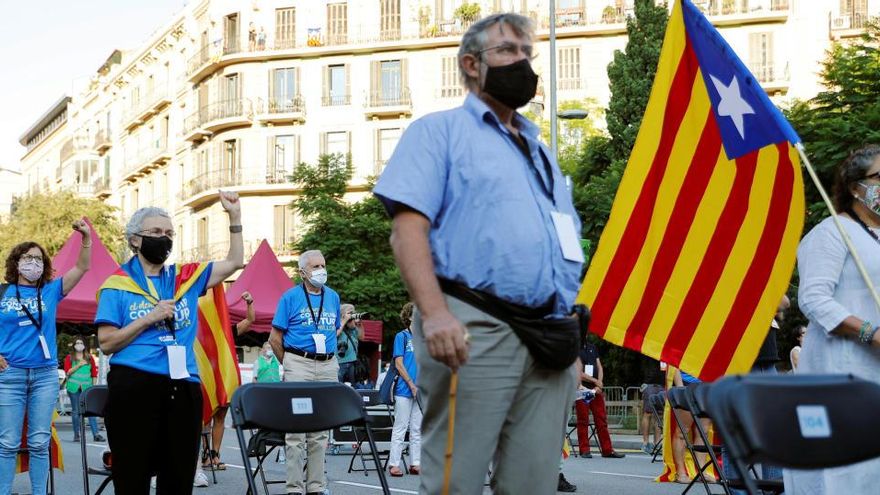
x=623 y=406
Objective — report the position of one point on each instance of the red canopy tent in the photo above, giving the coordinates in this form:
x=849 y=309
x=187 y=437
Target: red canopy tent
x=266 y=280
x=80 y=305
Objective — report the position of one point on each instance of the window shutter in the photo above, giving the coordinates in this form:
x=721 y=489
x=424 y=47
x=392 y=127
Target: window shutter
x=348 y=139
x=377 y=150
x=347 y=95
x=375 y=81
x=325 y=86
x=296 y=155
x=322 y=143
x=279 y=233
x=404 y=80
x=296 y=90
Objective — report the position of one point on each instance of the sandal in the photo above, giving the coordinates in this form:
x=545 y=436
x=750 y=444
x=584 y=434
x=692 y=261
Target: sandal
x=683 y=479
x=395 y=472
x=206 y=459
x=215 y=460
x=415 y=469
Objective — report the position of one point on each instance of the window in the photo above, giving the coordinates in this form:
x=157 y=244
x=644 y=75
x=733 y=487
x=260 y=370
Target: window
x=450 y=83
x=389 y=19
x=230 y=171
x=285 y=28
x=202 y=234
x=285 y=229
x=388 y=82
x=446 y=10
x=337 y=23
x=230 y=34
x=386 y=141
x=335 y=142
x=853 y=13
x=569 y=68
x=761 y=56
x=231 y=105
x=285 y=155
x=336 y=88
x=520 y=6
x=285 y=83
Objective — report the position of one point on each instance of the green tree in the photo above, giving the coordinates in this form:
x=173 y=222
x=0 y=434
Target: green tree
x=572 y=134
x=353 y=238
x=46 y=218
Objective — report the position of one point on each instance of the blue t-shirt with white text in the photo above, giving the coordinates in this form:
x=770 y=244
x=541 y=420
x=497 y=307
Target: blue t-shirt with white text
x=147 y=351
x=294 y=319
x=19 y=337
x=403 y=347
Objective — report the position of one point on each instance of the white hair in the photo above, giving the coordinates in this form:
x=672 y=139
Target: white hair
x=306 y=256
x=476 y=36
x=136 y=222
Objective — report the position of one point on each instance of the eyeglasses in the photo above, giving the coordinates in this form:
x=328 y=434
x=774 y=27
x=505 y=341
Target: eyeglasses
x=875 y=176
x=157 y=232
x=31 y=257
x=511 y=49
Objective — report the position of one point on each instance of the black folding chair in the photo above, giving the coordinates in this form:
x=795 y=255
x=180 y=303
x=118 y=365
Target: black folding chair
x=381 y=418
x=207 y=447
x=795 y=421
x=92 y=403
x=657 y=403
x=299 y=407
x=260 y=446
x=572 y=428
x=678 y=399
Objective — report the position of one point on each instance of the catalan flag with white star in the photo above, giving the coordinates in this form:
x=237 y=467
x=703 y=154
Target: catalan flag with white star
x=701 y=242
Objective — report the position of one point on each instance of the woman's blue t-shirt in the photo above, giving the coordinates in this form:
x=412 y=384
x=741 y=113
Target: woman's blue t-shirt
x=403 y=347
x=19 y=337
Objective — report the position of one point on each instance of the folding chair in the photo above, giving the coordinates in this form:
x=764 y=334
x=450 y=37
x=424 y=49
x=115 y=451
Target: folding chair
x=260 y=446
x=795 y=421
x=678 y=399
x=92 y=403
x=572 y=428
x=207 y=446
x=381 y=418
x=657 y=403
x=298 y=407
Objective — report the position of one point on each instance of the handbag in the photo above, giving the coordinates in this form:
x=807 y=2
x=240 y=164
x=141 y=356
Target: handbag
x=386 y=390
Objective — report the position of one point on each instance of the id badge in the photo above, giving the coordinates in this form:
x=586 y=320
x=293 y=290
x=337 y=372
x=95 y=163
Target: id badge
x=568 y=238
x=588 y=369
x=177 y=362
x=320 y=343
x=45 y=347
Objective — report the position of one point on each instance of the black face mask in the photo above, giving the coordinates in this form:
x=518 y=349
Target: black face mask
x=513 y=85
x=156 y=249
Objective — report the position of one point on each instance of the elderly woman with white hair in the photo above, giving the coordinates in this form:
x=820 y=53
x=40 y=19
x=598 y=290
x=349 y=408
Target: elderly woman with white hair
x=147 y=318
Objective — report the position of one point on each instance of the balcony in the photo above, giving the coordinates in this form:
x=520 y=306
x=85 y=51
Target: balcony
x=206 y=251
x=147 y=159
x=148 y=106
x=203 y=188
x=335 y=100
x=216 y=117
x=101 y=187
x=772 y=77
x=734 y=12
x=71 y=148
x=848 y=26
x=281 y=109
x=83 y=190
x=450 y=92
x=388 y=104
x=202 y=57
x=102 y=142
x=569 y=84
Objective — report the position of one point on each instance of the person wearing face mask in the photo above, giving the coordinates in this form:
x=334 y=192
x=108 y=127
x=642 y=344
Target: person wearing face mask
x=28 y=353
x=842 y=335
x=266 y=367
x=147 y=319
x=485 y=235
x=82 y=372
x=303 y=338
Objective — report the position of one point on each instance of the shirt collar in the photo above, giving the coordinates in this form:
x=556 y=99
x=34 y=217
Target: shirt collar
x=479 y=109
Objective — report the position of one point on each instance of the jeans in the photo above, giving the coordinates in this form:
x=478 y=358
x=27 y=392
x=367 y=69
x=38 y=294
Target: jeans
x=346 y=372
x=74 y=413
x=32 y=392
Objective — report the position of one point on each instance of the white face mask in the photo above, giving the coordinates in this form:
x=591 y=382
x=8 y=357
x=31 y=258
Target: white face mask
x=31 y=270
x=79 y=347
x=319 y=277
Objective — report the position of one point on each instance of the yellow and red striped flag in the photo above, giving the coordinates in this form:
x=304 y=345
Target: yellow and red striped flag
x=215 y=352
x=701 y=241
x=56 y=455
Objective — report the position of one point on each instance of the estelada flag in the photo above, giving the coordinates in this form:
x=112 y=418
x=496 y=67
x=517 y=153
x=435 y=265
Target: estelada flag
x=215 y=352
x=701 y=241
x=56 y=455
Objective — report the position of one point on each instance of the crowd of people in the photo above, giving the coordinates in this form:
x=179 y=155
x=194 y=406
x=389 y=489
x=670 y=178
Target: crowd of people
x=490 y=333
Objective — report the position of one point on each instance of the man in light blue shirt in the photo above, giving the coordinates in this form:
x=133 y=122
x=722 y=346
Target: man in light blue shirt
x=476 y=199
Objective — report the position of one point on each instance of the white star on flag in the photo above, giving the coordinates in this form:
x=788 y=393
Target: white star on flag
x=732 y=103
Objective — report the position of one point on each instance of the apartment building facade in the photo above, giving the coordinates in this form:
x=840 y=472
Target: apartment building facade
x=234 y=94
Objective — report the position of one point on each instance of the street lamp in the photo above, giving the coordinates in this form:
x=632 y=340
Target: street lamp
x=573 y=114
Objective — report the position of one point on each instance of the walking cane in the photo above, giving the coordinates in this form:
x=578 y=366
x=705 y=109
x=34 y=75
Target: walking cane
x=450 y=434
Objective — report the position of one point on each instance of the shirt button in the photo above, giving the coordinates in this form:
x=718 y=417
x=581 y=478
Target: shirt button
x=172 y=396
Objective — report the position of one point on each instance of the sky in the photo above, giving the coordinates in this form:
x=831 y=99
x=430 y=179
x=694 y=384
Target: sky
x=48 y=46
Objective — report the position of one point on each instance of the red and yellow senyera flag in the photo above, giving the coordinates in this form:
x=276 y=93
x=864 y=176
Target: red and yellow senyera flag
x=701 y=241
x=215 y=352
x=56 y=456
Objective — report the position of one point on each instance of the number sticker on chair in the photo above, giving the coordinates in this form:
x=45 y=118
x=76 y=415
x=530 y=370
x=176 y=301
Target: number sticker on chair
x=814 y=422
x=302 y=405
x=366 y=398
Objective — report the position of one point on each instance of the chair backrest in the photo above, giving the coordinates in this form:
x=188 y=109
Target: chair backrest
x=677 y=398
x=370 y=398
x=297 y=407
x=797 y=421
x=93 y=401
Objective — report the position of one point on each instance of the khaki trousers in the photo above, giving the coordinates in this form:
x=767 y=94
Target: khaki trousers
x=300 y=369
x=509 y=412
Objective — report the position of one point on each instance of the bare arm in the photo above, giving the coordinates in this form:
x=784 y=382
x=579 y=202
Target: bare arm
x=401 y=369
x=276 y=341
x=235 y=258
x=444 y=334
x=83 y=262
x=676 y=380
x=244 y=326
x=795 y=357
x=112 y=339
x=850 y=328
x=600 y=375
x=360 y=328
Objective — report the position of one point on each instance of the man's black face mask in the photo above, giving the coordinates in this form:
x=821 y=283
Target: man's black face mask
x=513 y=85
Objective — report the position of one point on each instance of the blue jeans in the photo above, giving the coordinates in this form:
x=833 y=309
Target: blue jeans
x=32 y=392
x=74 y=413
x=346 y=372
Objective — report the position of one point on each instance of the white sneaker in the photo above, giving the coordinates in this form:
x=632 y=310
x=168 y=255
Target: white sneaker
x=153 y=482
x=201 y=480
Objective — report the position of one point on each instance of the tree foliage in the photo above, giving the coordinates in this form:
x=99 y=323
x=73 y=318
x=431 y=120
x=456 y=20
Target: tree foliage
x=353 y=238
x=46 y=218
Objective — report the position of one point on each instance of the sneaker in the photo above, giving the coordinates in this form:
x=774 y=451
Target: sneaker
x=647 y=448
x=614 y=455
x=200 y=480
x=100 y=438
x=564 y=485
x=76 y=437
x=153 y=482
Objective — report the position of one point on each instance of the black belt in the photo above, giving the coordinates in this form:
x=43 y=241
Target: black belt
x=309 y=355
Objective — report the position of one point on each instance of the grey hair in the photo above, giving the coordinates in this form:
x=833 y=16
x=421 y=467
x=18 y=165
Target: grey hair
x=345 y=306
x=476 y=36
x=850 y=171
x=136 y=222
x=304 y=257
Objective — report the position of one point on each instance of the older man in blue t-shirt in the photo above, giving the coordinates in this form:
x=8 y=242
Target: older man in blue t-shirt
x=479 y=201
x=303 y=338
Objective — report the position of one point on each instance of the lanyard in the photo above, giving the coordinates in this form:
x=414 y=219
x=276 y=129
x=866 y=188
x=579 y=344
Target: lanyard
x=312 y=311
x=521 y=143
x=38 y=324
x=858 y=220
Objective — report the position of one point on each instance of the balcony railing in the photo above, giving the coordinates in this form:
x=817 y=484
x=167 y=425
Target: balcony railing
x=336 y=39
x=769 y=73
x=335 y=100
x=147 y=156
x=450 y=92
x=570 y=84
x=201 y=57
x=284 y=44
x=226 y=178
x=101 y=186
x=223 y=109
x=283 y=104
x=102 y=141
x=83 y=189
x=390 y=99
x=392 y=34
x=855 y=21
x=71 y=147
x=142 y=108
x=231 y=45
x=216 y=250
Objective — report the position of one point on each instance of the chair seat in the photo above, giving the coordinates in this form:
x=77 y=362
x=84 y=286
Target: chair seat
x=705 y=450
x=774 y=486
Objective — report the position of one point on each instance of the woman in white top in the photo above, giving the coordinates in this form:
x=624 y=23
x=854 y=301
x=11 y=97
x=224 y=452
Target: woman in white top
x=795 y=353
x=842 y=336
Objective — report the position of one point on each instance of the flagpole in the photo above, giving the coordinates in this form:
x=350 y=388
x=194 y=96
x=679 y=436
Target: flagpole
x=849 y=245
